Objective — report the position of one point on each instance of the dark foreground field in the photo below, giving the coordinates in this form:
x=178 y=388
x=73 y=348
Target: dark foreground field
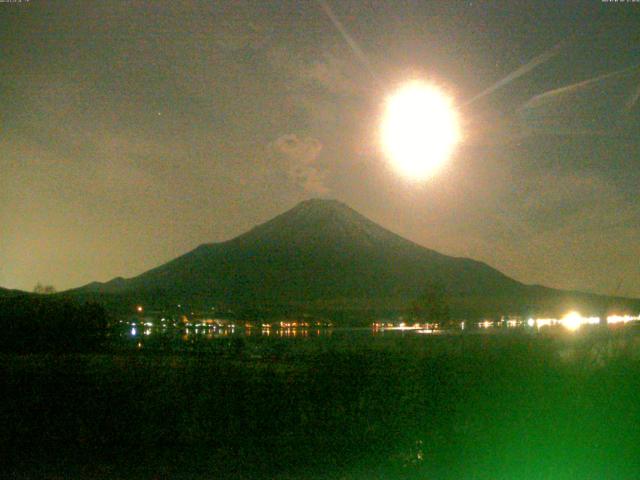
x=466 y=407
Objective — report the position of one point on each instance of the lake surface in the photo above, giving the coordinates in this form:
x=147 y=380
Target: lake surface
x=345 y=404
x=274 y=340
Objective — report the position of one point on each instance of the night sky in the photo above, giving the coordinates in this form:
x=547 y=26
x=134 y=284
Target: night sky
x=133 y=131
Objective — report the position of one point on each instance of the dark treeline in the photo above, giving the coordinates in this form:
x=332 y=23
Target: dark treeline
x=37 y=323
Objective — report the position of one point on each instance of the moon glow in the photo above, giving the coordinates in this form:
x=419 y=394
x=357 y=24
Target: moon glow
x=420 y=129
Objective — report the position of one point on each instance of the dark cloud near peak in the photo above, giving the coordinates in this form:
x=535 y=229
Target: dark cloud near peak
x=298 y=156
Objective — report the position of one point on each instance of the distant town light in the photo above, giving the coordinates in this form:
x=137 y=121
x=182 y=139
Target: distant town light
x=139 y=309
x=621 y=318
x=573 y=321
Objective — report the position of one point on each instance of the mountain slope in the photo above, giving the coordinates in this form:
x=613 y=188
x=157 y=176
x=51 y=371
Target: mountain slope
x=320 y=252
x=5 y=292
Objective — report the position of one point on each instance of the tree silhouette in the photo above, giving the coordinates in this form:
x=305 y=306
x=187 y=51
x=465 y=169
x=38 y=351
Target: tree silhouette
x=432 y=305
x=49 y=324
x=44 y=289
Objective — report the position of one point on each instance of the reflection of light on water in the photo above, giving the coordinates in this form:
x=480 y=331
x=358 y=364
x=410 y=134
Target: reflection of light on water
x=427 y=331
x=295 y=332
x=403 y=327
x=133 y=331
x=381 y=327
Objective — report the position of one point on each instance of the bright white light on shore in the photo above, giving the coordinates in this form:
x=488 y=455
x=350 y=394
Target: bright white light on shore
x=420 y=129
x=572 y=321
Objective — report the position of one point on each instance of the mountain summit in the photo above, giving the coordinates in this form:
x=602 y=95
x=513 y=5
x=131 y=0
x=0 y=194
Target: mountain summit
x=320 y=253
x=324 y=222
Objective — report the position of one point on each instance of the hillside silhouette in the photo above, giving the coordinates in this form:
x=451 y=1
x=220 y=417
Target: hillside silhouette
x=324 y=254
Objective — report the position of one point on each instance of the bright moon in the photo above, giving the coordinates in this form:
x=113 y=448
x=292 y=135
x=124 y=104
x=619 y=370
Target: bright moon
x=419 y=130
